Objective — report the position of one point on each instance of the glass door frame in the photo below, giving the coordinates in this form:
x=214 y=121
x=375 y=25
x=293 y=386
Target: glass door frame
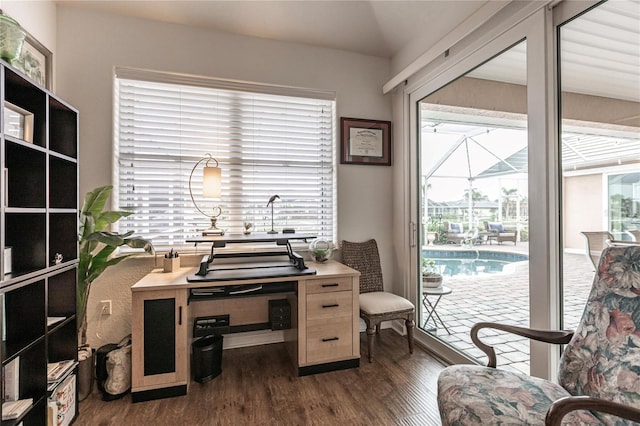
x=544 y=244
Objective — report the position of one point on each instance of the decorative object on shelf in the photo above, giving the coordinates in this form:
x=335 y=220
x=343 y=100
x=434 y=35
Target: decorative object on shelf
x=365 y=141
x=271 y=200
x=18 y=122
x=57 y=259
x=8 y=260
x=97 y=246
x=247 y=227
x=11 y=38
x=431 y=278
x=321 y=250
x=171 y=261
x=35 y=61
x=211 y=188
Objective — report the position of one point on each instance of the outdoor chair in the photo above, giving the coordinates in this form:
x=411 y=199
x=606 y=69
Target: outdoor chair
x=497 y=232
x=455 y=232
x=596 y=242
x=376 y=305
x=598 y=381
x=635 y=234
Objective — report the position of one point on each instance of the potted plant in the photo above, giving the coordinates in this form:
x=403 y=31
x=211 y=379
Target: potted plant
x=432 y=232
x=430 y=276
x=97 y=247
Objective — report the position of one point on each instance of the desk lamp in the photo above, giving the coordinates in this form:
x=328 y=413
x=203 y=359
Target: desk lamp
x=211 y=188
x=271 y=200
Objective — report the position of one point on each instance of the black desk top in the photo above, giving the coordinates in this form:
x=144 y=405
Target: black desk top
x=241 y=272
x=221 y=240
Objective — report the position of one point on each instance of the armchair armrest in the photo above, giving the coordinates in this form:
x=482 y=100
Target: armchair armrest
x=549 y=336
x=563 y=406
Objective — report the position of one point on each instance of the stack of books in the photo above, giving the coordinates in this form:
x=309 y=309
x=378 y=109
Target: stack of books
x=56 y=371
x=14 y=409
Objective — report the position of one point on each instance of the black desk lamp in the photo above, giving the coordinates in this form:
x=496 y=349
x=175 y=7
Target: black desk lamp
x=271 y=200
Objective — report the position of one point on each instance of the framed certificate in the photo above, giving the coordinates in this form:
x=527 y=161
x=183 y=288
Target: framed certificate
x=365 y=141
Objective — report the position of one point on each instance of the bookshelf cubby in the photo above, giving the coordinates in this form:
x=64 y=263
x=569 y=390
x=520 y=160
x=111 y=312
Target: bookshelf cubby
x=38 y=219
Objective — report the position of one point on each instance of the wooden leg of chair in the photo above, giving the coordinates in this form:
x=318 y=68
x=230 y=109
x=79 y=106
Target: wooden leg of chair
x=371 y=333
x=410 y=324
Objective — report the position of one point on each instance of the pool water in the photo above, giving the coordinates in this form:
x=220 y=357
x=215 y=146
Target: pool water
x=470 y=262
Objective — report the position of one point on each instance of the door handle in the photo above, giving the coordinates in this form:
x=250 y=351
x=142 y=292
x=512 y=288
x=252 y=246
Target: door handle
x=180 y=315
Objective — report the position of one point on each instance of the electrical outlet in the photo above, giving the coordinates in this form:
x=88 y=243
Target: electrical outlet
x=105 y=307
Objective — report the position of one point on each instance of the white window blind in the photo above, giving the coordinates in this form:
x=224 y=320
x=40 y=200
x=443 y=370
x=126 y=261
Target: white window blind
x=265 y=144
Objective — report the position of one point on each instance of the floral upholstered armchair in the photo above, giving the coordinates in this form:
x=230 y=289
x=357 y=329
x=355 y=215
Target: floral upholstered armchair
x=599 y=377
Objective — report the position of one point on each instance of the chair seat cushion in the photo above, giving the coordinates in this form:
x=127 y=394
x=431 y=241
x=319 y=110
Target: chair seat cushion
x=496 y=226
x=476 y=395
x=381 y=302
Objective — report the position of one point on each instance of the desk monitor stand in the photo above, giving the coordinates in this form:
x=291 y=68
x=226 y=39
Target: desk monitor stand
x=223 y=240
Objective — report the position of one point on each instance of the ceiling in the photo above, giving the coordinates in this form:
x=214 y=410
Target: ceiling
x=371 y=27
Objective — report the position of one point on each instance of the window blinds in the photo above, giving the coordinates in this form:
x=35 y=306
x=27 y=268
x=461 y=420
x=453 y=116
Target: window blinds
x=265 y=144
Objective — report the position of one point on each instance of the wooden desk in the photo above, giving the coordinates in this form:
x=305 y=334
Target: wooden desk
x=324 y=334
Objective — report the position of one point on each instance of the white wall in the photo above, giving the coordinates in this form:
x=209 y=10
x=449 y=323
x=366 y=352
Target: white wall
x=91 y=44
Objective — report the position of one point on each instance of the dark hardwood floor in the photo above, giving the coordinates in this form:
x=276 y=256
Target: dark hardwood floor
x=258 y=387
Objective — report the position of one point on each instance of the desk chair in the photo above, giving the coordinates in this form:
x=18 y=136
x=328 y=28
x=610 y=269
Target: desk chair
x=598 y=380
x=376 y=305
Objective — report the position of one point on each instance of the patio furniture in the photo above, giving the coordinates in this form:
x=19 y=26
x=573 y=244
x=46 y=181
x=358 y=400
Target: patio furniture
x=500 y=234
x=430 y=308
x=455 y=232
x=596 y=241
x=376 y=305
x=598 y=377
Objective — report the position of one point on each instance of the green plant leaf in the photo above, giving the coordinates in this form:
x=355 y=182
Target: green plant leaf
x=95 y=200
x=97 y=247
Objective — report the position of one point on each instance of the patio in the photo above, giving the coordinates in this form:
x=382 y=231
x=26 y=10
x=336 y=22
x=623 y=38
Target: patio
x=504 y=298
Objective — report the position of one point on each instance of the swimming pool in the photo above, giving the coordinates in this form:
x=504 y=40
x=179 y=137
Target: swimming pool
x=471 y=262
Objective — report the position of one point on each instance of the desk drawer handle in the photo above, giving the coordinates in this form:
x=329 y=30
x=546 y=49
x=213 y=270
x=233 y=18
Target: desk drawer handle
x=330 y=339
x=180 y=315
x=330 y=285
x=334 y=305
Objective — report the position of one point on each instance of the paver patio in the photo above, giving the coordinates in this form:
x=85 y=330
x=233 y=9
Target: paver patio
x=504 y=298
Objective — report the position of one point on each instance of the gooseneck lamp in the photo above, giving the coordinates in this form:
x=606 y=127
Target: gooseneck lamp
x=211 y=188
x=271 y=200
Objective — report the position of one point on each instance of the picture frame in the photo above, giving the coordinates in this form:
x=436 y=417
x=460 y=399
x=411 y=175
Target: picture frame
x=365 y=141
x=35 y=61
x=18 y=122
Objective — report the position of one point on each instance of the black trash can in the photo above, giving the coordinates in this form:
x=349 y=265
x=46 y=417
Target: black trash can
x=207 y=358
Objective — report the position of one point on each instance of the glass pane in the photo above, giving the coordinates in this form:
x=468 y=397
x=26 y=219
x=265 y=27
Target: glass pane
x=474 y=207
x=600 y=142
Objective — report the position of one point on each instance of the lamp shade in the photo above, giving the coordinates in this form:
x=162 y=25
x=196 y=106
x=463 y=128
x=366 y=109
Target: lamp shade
x=212 y=182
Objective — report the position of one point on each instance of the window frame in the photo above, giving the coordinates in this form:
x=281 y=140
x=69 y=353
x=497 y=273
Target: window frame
x=328 y=160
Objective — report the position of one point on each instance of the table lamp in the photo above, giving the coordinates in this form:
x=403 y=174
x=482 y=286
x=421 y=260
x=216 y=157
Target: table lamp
x=211 y=188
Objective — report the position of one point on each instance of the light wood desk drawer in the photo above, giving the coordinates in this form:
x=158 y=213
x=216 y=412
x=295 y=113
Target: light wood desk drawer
x=329 y=339
x=329 y=305
x=326 y=285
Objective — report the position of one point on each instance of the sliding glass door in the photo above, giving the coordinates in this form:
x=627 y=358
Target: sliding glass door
x=535 y=135
x=599 y=140
x=474 y=206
